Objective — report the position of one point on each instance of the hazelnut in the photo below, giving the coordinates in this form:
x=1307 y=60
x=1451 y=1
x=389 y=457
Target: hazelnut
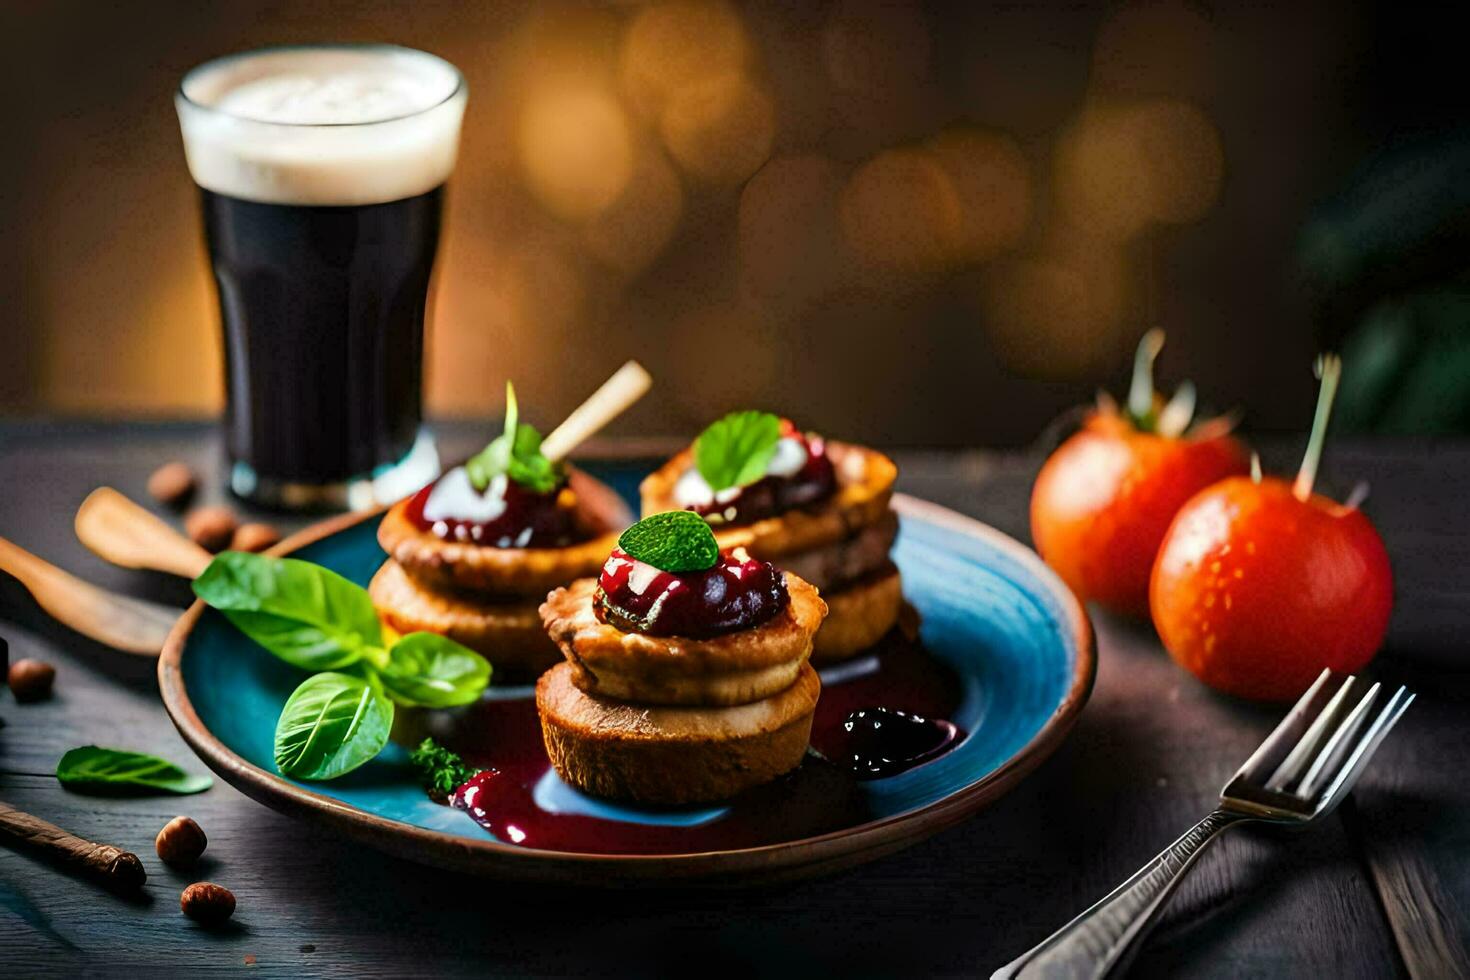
x=207 y=903
x=180 y=842
x=31 y=680
x=212 y=528
x=255 y=537
x=172 y=484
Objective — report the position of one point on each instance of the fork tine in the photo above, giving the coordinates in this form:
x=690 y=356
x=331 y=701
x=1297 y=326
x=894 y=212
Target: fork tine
x=1296 y=760
x=1287 y=731
x=1341 y=742
x=1367 y=744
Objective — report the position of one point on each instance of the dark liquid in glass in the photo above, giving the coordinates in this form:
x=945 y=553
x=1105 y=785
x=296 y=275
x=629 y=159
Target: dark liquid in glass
x=323 y=312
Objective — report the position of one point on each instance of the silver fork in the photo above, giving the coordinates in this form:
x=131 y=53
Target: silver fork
x=1298 y=775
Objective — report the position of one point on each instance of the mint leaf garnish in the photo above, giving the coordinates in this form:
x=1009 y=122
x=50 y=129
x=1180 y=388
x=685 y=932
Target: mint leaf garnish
x=735 y=450
x=676 y=541
x=516 y=452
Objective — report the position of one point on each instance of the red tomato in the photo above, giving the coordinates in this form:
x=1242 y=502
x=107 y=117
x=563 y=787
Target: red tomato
x=1104 y=499
x=1256 y=591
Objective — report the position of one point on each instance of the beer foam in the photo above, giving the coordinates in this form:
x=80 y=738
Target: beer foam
x=322 y=125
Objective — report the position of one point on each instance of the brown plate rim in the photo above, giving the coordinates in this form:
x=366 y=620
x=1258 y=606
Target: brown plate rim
x=787 y=859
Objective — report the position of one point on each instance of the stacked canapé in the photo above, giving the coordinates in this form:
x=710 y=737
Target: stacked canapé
x=818 y=508
x=472 y=555
x=686 y=676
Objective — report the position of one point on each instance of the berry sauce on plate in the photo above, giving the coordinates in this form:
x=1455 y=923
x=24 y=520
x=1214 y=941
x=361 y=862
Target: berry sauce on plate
x=819 y=797
x=887 y=741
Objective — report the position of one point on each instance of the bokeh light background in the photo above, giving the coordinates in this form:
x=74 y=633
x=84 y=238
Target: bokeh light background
x=906 y=223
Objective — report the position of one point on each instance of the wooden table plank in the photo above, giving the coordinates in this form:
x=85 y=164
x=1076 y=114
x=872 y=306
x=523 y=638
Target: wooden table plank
x=1410 y=815
x=1145 y=761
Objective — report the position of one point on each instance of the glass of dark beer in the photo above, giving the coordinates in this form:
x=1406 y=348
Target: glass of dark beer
x=322 y=173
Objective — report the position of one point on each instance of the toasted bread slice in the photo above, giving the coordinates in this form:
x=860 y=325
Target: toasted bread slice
x=509 y=635
x=671 y=755
x=734 y=668
x=858 y=616
x=502 y=573
x=864 y=488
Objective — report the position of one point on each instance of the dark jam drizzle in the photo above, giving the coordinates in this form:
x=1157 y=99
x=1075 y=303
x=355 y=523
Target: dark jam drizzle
x=885 y=741
x=772 y=495
x=550 y=525
x=738 y=593
x=817 y=798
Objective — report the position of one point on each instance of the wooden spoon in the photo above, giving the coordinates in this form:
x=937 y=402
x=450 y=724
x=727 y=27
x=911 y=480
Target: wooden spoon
x=120 y=531
x=132 y=625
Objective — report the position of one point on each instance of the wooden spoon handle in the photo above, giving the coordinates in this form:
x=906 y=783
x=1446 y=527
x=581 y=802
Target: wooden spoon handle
x=120 y=531
x=118 y=621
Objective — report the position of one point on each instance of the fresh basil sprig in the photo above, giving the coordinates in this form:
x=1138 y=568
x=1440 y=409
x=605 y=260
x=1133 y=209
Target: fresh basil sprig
x=675 y=541
x=94 y=768
x=736 y=450
x=315 y=619
x=516 y=453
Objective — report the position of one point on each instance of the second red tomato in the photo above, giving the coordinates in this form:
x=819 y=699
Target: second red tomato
x=1105 y=498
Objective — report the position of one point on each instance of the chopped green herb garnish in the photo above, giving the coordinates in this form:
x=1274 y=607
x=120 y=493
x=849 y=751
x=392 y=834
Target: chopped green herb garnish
x=441 y=771
x=516 y=453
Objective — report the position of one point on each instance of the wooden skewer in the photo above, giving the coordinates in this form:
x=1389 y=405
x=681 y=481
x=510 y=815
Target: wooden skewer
x=112 y=867
x=124 y=533
x=128 y=624
x=625 y=387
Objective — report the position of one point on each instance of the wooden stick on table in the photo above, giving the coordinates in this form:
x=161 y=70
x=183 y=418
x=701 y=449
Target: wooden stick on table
x=112 y=867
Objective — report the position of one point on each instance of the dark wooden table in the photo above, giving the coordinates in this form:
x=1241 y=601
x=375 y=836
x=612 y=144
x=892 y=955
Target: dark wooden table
x=1381 y=890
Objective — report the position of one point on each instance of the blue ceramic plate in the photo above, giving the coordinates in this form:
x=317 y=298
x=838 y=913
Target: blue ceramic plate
x=1016 y=645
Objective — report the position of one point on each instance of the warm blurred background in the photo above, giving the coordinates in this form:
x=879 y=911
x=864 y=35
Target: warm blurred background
x=923 y=224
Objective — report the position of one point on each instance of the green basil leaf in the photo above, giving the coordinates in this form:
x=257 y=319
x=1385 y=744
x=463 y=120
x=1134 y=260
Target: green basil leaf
x=93 y=767
x=433 y=671
x=331 y=724
x=735 y=450
x=307 y=615
x=675 y=541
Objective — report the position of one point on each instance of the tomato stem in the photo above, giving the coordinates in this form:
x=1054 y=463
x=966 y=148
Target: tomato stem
x=1141 y=392
x=1177 y=415
x=1329 y=369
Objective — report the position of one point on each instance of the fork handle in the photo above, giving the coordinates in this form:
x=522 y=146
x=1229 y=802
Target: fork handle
x=1098 y=940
